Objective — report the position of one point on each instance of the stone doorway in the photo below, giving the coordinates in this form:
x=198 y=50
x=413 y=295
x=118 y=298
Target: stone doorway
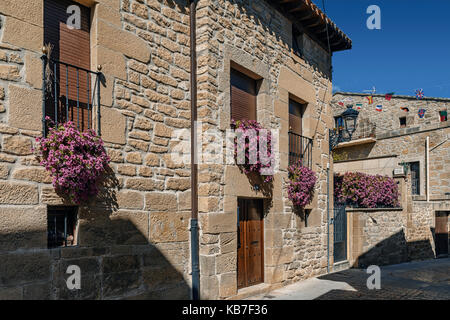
x=441 y=232
x=250 y=248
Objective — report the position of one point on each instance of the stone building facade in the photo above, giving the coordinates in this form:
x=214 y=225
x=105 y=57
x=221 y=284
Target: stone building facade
x=396 y=138
x=132 y=241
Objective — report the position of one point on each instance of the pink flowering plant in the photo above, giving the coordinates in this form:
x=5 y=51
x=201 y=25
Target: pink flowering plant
x=366 y=191
x=302 y=181
x=76 y=160
x=256 y=144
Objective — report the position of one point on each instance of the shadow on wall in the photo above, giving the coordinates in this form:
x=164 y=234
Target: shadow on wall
x=353 y=152
x=393 y=250
x=115 y=257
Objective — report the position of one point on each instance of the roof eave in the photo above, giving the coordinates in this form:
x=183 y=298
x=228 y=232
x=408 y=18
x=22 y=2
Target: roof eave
x=314 y=22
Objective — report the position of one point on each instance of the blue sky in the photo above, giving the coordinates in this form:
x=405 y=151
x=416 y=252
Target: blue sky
x=411 y=51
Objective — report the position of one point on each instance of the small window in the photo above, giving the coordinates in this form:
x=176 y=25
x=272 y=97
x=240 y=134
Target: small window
x=443 y=115
x=297 y=41
x=295 y=116
x=61 y=226
x=415 y=177
x=402 y=122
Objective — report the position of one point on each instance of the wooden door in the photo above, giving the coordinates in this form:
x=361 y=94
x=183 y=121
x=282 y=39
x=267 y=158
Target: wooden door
x=250 y=242
x=441 y=232
x=73 y=93
x=243 y=96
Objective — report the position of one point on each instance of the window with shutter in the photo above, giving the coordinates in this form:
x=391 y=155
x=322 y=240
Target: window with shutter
x=243 y=96
x=71 y=46
x=296 y=141
x=295 y=116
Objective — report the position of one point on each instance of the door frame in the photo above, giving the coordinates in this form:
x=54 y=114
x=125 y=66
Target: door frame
x=447 y=214
x=340 y=209
x=239 y=212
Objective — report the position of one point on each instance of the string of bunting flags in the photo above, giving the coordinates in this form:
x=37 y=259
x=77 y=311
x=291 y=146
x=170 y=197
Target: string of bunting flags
x=419 y=93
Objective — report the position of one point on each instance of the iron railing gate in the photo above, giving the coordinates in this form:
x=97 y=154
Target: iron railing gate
x=300 y=148
x=70 y=93
x=340 y=233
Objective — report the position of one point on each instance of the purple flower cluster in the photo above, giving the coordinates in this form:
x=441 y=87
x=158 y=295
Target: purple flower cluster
x=302 y=181
x=76 y=160
x=255 y=144
x=366 y=191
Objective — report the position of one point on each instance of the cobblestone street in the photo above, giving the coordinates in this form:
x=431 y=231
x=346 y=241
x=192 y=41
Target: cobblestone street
x=408 y=281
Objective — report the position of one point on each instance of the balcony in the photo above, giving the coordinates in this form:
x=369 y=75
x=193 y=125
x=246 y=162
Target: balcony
x=365 y=133
x=70 y=93
x=300 y=148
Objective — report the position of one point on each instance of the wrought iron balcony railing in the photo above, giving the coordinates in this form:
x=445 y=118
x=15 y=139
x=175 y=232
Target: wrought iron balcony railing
x=70 y=93
x=364 y=129
x=300 y=148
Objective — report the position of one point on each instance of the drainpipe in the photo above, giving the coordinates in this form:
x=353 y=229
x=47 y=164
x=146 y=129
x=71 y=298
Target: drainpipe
x=328 y=217
x=427 y=147
x=194 y=172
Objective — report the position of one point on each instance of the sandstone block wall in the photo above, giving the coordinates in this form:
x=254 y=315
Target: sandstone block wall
x=252 y=36
x=143 y=48
x=378 y=237
x=390 y=236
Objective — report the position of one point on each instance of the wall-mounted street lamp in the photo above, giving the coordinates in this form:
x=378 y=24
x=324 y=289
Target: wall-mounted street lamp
x=349 y=118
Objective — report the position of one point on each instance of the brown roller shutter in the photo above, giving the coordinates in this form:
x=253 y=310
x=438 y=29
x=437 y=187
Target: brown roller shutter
x=295 y=117
x=71 y=46
x=243 y=96
x=296 y=147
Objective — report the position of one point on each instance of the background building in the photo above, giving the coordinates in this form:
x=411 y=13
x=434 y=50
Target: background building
x=409 y=140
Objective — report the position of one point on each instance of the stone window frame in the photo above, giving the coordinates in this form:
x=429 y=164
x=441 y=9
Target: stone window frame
x=422 y=177
x=235 y=58
x=405 y=124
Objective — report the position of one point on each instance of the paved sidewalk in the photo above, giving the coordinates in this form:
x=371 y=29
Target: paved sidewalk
x=416 y=280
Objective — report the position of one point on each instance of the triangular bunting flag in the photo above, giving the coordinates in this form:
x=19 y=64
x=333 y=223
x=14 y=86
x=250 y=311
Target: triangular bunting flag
x=404 y=109
x=359 y=106
x=370 y=98
x=379 y=108
x=389 y=96
x=422 y=113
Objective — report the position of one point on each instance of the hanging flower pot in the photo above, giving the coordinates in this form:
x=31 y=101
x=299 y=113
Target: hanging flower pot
x=75 y=160
x=302 y=181
x=253 y=154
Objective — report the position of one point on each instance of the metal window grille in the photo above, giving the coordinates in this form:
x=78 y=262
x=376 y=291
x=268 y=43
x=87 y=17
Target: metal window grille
x=61 y=223
x=300 y=148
